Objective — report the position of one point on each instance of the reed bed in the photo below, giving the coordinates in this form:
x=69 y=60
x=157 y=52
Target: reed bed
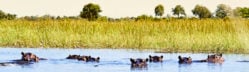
x=169 y=35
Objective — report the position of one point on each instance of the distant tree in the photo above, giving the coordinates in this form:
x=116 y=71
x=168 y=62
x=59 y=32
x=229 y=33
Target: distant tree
x=223 y=11
x=2 y=14
x=7 y=16
x=245 y=12
x=201 y=12
x=30 y=18
x=47 y=17
x=90 y=11
x=144 y=17
x=241 y=12
x=10 y=16
x=103 y=18
x=159 y=10
x=74 y=17
x=178 y=10
x=236 y=12
x=58 y=17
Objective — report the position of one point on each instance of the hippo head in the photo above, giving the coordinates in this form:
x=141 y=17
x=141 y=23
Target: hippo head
x=29 y=57
x=73 y=57
x=92 y=59
x=155 y=58
x=82 y=58
x=215 y=58
x=184 y=59
x=139 y=63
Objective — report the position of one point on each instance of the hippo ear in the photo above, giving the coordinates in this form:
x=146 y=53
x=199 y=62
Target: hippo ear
x=149 y=56
x=189 y=58
x=161 y=56
x=179 y=57
x=146 y=60
x=22 y=53
x=98 y=58
x=132 y=60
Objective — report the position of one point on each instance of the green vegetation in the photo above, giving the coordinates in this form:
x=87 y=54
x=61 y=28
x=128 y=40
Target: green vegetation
x=226 y=31
x=168 y=35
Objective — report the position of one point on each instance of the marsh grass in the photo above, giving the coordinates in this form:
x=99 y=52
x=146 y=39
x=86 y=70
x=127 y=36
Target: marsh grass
x=179 y=35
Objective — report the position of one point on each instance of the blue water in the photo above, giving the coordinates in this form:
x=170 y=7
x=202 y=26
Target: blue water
x=116 y=60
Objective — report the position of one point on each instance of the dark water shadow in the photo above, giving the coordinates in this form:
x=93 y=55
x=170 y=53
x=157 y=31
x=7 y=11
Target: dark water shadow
x=139 y=68
x=243 y=61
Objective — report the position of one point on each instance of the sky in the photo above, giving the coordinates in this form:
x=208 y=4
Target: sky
x=110 y=8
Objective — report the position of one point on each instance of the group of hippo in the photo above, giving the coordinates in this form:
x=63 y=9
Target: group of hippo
x=29 y=57
x=140 y=63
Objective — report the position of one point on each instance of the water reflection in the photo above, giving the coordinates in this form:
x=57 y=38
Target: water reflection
x=184 y=67
x=139 y=68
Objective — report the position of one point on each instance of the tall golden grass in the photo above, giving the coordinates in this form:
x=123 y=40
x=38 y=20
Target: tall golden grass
x=172 y=35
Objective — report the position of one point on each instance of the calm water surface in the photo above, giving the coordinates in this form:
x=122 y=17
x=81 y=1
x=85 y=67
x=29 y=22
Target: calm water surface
x=116 y=60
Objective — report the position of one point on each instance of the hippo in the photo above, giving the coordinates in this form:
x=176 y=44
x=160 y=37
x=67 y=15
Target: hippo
x=138 y=63
x=29 y=57
x=88 y=59
x=83 y=58
x=215 y=58
x=184 y=60
x=155 y=58
x=73 y=57
x=26 y=59
x=91 y=59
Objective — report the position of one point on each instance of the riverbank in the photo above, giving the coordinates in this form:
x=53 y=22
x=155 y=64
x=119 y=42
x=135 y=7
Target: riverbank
x=176 y=35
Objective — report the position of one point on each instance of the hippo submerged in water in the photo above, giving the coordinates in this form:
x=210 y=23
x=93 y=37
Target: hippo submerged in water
x=88 y=59
x=83 y=58
x=186 y=60
x=73 y=57
x=27 y=58
x=215 y=58
x=155 y=58
x=30 y=57
x=138 y=63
